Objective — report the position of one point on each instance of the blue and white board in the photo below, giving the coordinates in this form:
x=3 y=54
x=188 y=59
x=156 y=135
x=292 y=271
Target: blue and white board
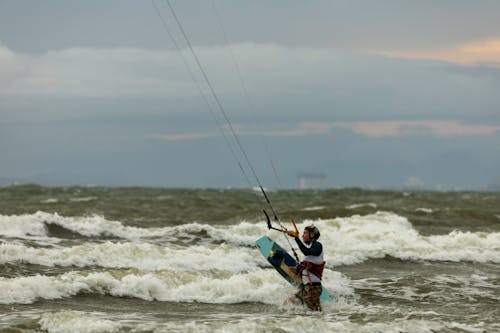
x=284 y=263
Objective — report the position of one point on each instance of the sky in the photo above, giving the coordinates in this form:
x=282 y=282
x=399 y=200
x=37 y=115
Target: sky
x=375 y=94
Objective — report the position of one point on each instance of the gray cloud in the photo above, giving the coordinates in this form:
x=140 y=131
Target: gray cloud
x=94 y=92
x=57 y=24
x=296 y=82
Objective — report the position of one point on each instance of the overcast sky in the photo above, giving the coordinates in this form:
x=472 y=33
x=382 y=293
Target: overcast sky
x=370 y=93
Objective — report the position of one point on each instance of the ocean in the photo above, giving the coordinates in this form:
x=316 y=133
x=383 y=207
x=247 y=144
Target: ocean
x=99 y=259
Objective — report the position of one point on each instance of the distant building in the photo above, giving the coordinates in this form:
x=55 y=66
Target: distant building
x=308 y=180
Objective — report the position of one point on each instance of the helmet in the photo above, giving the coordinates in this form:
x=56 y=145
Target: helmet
x=314 y=230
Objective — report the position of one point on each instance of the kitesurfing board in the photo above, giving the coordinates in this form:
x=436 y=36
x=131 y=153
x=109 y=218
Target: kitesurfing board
x=284 y=263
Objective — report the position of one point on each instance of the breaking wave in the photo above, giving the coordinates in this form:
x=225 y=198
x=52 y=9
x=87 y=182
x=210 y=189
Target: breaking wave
x=205 y=286
x=347 y=241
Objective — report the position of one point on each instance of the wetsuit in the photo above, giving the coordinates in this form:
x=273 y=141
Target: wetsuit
x=311 y=269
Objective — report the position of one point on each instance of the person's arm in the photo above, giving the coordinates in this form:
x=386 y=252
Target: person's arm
x=315 y=249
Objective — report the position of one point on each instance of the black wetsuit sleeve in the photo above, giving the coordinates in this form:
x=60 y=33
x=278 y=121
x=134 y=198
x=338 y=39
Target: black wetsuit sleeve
x=315 y=249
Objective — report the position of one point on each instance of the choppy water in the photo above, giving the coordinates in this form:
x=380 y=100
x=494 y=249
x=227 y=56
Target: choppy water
x=162 y=260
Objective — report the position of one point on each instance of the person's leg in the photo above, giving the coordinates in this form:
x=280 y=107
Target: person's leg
x=311 y=295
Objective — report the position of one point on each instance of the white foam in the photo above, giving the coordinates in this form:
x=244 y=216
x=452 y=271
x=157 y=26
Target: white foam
x=310 y=323
x=76 y=322
x=244 y=233
x=27 y=289
x=314 y=208
x=83 y=199
x=361 y=205
x=346 y=241
x=28 y=225
x=357 y=238
x=143 y=256
x=35 y=224
x=21 y=226
x=49 y=201
x=332 y=319
x=203 y=286
x=424 y=210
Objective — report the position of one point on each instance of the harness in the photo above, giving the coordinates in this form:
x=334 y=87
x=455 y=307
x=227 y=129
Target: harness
x=316 y=269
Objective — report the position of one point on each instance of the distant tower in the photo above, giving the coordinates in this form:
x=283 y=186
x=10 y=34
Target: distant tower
x=308 y=180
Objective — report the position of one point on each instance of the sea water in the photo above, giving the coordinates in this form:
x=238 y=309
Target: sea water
x=94 y=259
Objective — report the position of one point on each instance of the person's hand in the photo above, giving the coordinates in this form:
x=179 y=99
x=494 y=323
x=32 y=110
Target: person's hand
x=293 y=234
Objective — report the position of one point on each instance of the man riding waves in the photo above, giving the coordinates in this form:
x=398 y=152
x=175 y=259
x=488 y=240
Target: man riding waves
x=311 y=268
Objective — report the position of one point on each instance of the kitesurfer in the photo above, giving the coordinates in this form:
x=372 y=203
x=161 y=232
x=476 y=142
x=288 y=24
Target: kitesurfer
x=311 y=268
